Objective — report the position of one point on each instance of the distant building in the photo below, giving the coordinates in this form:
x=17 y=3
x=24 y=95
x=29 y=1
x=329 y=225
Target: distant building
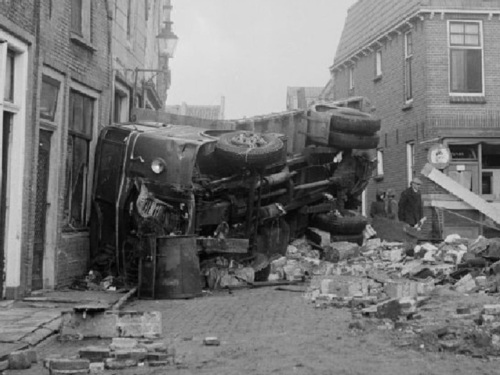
x=208 y=112
x=430 y=71
x=301 y=97
x=140 y=55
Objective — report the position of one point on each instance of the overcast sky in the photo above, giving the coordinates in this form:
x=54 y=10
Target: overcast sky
x=249 y=51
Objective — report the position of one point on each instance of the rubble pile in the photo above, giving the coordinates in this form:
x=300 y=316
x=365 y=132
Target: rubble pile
x=440 y=297
x=120 y=354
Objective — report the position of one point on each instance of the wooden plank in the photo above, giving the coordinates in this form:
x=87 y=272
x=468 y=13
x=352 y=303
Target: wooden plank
x=461 y=192
x=223 y=245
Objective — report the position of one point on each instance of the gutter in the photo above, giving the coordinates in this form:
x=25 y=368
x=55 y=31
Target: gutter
x=367 y=47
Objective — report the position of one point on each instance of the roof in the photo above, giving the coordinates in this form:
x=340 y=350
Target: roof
x=367 y=19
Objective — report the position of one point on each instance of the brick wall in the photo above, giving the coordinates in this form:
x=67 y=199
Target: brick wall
x=72 y=258
x=401 y=124
x=386 y=94
x=85 y=63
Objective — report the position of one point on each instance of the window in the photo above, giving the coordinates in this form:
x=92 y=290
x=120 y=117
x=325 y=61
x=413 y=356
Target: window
x=490 y=156
x=410 y=160
x=81 y=18
x=76 y=16
x=81 y=120
x=466 y=57
x=378 y=63
x=48 y=98
x=463 y=152
x=351 y=78
x=129 y=19
x=121 y=103
x=408 y=66
x=9 y=76
x=380 y=163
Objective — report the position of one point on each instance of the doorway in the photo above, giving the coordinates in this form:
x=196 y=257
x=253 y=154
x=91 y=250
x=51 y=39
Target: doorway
x=41 y=208
x=6 y=131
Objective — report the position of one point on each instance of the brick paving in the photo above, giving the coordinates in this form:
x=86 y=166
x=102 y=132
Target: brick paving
x=268 y=331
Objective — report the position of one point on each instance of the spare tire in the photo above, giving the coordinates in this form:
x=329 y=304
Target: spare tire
x=349 y=120
x=350 y=141
x=249 y=149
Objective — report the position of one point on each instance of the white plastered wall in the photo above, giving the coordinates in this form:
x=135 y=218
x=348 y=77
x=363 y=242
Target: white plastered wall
x=15 y=177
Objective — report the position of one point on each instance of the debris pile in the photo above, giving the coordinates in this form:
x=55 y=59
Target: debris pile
x=437 y=296
x=122 y=353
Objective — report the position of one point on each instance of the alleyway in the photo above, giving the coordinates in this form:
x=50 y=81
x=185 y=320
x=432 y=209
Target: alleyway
x=269 y=331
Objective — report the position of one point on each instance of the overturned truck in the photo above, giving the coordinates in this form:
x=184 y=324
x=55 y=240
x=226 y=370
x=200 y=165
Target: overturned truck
x=245 y=190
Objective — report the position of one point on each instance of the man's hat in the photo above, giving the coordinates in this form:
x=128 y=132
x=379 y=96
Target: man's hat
x=416 y=180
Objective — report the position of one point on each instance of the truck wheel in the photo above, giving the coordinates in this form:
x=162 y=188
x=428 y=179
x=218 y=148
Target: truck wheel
x=346 y=225
x=245 y=148
x=350 y=141
x=349 y=120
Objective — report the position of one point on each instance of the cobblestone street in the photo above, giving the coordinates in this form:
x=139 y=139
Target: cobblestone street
x=269 y=331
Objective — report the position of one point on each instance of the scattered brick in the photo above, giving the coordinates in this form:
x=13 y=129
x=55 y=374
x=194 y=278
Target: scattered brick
x=157 y=356
x=123 y=343
x=158 y=363
x=4 y=365
x=69 y=372
x=20 y=360
x=211 y=341
x=491 y=309
x=154 y=346
x=116 y=364
x=95 y=353
x=69 y=364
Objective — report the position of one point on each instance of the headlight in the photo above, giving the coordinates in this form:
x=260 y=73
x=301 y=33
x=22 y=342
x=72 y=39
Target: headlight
x=158 y=165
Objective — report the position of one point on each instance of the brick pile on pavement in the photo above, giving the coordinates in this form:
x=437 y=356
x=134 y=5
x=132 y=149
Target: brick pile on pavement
x=400 y=286
x=122 y=353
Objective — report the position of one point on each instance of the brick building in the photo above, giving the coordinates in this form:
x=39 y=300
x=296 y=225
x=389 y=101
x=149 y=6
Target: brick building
x=67 y=69
x=207 y=112
x=430 y=69
x=19 y=83
x=143 y=43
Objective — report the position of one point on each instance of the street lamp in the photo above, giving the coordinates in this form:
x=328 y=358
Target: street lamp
x=167 y=40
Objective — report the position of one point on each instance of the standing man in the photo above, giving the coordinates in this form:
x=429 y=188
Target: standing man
x=410 y=208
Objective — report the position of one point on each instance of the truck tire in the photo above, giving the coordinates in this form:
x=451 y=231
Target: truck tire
x=350 y=141
x=349 y=120
x=346 y=225
x=249 y=149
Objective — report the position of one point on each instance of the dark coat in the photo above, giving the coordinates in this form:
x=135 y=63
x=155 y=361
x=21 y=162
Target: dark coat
x=410 y=208
x=378 y=209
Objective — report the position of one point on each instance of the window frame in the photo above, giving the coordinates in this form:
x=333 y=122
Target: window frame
x=380 y=163
x=408 y=67
x=455 y=47
x=350 y=78
x=410 y=160
x=123 y=93
x=55 y=83
x=91 y=142
x=84 y=32
x=378 y=63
